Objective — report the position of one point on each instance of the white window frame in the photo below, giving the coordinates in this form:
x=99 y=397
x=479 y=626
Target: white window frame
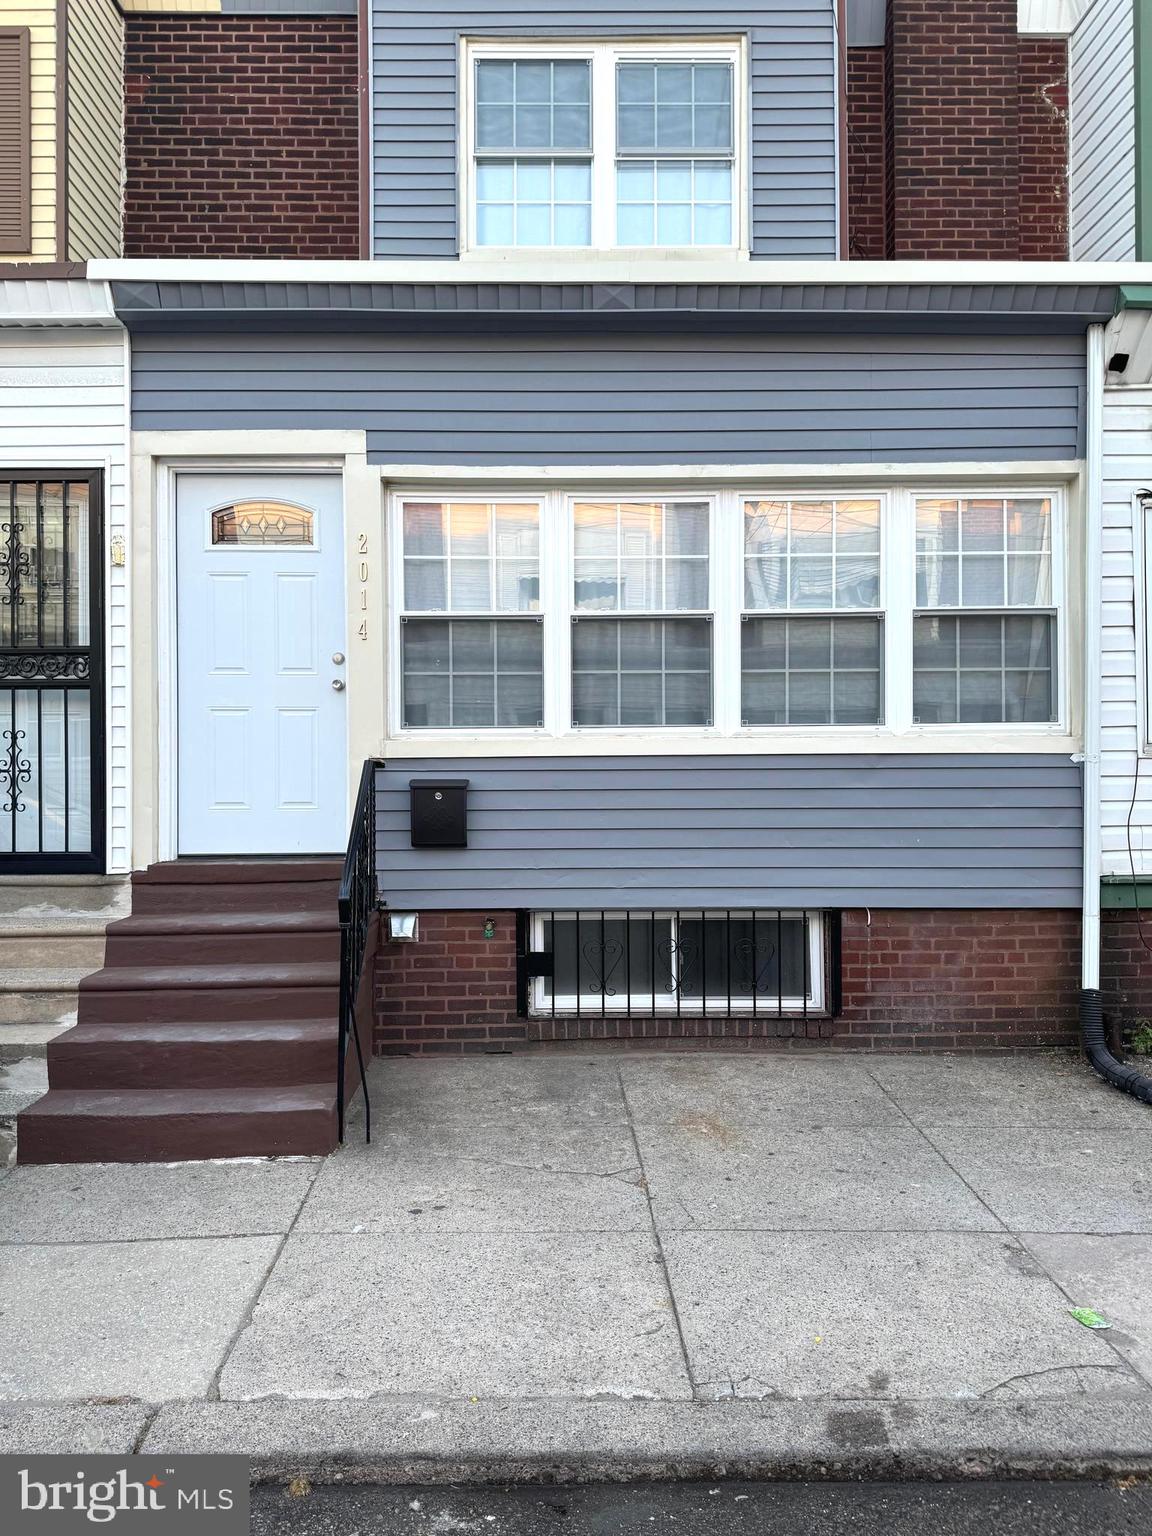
x=603 y=56
x=555 y=497
x=710 y=500
x=401 y=612
x=1058 y=609
x=666 y=1003
x=879 y=613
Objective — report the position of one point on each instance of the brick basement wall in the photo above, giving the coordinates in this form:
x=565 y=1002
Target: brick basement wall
x=241 y=136
x=1042 y=65
x=866 y=171
x=1126 y=970
x=946 y=980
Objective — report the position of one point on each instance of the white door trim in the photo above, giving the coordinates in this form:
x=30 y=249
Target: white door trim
x=167 y=473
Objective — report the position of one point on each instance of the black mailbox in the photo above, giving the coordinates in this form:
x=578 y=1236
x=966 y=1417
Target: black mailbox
x=439 y=813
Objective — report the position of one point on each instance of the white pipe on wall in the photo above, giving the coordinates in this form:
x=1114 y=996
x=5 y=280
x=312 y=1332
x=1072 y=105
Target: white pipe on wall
x=1092 y=655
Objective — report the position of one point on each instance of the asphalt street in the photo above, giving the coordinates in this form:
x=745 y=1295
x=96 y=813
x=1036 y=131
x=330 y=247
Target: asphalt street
x=1115 y=1508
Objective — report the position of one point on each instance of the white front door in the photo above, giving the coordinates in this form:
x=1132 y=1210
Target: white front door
x=260 y=670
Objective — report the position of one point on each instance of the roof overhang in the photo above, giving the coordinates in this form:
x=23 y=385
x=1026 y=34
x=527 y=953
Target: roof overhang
x=735 y=296
x=52 y=303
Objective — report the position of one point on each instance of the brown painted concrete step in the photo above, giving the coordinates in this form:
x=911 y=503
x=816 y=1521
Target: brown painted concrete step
x=195 y=1054
x=163 y=993
x=274 y=886
x=160 y=1125
x=227 y=938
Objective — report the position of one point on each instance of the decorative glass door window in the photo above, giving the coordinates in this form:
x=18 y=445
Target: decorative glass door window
x=819 y=559
x=701 y=962
x=987 y=654
x=272 y=524
x=643 y=560
x=604 y=145
x=480 y=559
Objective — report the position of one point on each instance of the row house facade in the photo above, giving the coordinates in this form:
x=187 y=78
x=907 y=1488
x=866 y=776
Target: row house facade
x=625 y=481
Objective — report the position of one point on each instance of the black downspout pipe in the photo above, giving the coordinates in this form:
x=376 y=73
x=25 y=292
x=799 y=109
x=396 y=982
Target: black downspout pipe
x=1100 y=1057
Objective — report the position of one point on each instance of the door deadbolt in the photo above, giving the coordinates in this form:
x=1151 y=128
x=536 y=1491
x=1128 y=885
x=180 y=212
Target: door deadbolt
x=338 y=658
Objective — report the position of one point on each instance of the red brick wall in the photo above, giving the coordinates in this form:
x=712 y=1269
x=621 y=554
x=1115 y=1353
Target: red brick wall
x=958 y=138
x=241 y=136
x=954 y=155
x=959 y=980
x=1043 y=87
x=865 y=187
x=941 y=980
x=1126 y=970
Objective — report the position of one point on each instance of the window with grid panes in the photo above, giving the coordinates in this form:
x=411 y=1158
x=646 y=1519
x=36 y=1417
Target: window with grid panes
x=984 y=633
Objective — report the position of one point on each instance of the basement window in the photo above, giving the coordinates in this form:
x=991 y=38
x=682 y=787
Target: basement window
x=758 y=962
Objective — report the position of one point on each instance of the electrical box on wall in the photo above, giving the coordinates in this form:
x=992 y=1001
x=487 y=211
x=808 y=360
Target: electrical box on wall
x=439 y=813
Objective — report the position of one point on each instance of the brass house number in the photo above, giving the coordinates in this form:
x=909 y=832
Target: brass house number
x=362 y=574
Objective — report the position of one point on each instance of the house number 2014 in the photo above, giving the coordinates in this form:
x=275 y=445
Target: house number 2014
x=362 y=573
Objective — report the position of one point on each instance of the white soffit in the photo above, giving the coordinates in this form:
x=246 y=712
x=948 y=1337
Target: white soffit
x=1050 y=18
x=35 y=301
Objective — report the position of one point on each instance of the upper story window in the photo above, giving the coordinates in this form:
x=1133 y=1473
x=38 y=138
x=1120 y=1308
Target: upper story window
x=604 y=146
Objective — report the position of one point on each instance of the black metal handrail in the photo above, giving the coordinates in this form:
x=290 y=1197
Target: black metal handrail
x=357 y=903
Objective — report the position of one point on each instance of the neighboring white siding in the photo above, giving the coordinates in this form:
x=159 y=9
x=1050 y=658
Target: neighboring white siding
x=1127 y=469
x=1102 y=115
x=62 y=406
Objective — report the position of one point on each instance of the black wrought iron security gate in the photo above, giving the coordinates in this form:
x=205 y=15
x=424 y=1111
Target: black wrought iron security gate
x=51 y=672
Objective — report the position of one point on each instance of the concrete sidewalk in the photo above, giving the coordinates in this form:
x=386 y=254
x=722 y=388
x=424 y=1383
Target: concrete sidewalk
x=613 y=1266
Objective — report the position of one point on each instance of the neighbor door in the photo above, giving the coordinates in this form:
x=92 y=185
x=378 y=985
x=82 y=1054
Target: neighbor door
x=260 y=667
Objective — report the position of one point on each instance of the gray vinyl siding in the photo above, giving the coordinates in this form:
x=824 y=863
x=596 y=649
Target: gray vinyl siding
x=834 y=831
x=1102 y=118
x=646 y=400
x=792 y=108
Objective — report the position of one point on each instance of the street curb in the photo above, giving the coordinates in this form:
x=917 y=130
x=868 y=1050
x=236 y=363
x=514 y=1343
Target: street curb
x=435 y=1440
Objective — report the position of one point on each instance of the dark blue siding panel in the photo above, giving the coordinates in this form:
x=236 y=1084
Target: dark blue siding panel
x=792 y=107
x=834 y=831
x=595 y=400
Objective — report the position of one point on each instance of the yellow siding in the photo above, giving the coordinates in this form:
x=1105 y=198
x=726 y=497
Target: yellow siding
x=39 y=16
x=95 y=128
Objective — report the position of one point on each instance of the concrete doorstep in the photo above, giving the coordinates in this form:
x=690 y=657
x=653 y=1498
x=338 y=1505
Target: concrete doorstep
x=579 y=1268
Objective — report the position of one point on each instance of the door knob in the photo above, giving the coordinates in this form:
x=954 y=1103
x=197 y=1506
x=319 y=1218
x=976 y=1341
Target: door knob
x=338 y=684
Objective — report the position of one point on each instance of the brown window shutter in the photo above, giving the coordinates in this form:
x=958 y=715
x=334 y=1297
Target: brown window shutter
x=15 y=141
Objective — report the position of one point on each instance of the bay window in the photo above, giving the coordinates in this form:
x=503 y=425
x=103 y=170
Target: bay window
x=603 y=145
x=727 y=613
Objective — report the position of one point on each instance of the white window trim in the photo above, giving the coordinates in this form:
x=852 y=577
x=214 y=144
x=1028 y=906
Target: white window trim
x=539 y=1005
x=880 y=612
x=726 y=593
x=1059 y=607
x=400 y=612
x=603 y=55
x=574 y=613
